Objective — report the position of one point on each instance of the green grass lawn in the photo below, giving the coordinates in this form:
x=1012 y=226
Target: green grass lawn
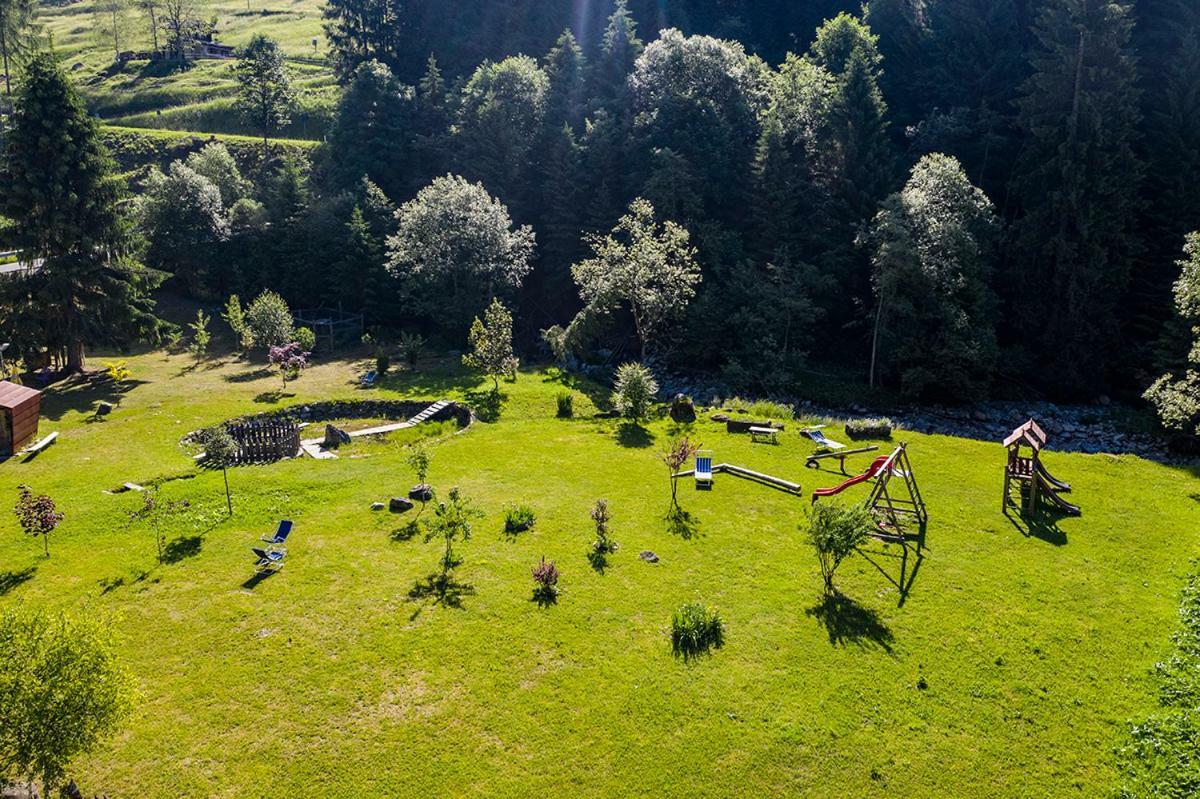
x=1009 y=669
x=199 y=98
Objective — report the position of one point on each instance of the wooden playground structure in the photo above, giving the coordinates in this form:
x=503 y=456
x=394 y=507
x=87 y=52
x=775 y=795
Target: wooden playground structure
x=895 y=499
x=1029 y=476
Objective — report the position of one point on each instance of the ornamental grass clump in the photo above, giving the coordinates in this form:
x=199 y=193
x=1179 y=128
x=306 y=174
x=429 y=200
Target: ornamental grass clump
x=695 y=629
x=545 y=578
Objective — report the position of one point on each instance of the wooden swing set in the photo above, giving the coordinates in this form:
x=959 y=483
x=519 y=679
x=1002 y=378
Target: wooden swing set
x=895 y=500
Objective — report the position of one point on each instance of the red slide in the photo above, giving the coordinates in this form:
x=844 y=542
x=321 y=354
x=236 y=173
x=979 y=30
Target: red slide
x=853 y=481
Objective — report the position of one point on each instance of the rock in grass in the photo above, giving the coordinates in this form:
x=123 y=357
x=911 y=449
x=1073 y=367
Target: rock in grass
x=377 y=506
x=648 y=556
x=421 y=493
x=399 y=505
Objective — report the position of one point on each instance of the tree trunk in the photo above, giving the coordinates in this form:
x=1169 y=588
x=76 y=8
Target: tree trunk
x=4 y=52
x=153 y=29
x=76 y=362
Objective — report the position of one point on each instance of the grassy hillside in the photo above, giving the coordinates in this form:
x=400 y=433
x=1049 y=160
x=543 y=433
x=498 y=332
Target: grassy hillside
x=1008 y=669
x=199 y=97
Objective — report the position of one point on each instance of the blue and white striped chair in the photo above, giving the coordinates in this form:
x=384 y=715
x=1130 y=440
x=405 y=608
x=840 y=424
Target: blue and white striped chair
x=704 y=469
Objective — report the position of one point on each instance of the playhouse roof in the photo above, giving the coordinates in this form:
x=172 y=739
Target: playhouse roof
x=1029 y=433
x=14 y=396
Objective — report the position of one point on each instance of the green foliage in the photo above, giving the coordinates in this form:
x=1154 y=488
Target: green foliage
x=264 y=87
x=201 y=337
x=633 y=390
x=184 y=221
x=235 y=317
x=418 y=460
x=759 y=409
x=644 y=265
x=455 y=245
x=306 y=338
x=835 y=532
x=565 y=405
x=1176 y=398
x=603 y=545
x=118 y=371
x=870 y=428
x=491 y=345
x=451 y=522
x=62 y=691
x=371 y=133
x=269 y=321
x=411 y=345
x=37 y=515
x=215 y=163
x=696 y=629
x=518 y=518
x=67 y=206
x=931 y=247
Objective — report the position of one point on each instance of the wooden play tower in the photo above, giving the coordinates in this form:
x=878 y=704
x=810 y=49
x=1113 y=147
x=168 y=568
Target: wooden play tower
x=1026 y=473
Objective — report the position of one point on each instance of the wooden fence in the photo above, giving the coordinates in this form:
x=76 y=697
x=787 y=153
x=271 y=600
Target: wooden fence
x=266 y=441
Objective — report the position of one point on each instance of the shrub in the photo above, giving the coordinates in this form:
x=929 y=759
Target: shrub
x=869 y=428
x=765 y=409
x=545 y=575
x=306 y=338
x=268 y=321
x=291 y=360
x=382 y=363
x=411 y=345
x=634 y=390
x=118 y=372
x=696 y=629
x=603 y=545
x=566 y=405
x=518 y=518
x=835 y=531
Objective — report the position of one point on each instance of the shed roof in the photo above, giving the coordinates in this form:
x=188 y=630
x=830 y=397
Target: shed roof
x=15 y=396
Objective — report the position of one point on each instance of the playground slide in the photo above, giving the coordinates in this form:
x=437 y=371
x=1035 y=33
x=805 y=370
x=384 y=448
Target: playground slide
x=1055 y=483
x=1047 y=491
x=853 y=481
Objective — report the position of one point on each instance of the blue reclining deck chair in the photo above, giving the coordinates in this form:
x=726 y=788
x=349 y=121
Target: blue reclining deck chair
x=267 y=560
x=281 y=534
x=704 y=469
x=821 y=441
x=369 y=379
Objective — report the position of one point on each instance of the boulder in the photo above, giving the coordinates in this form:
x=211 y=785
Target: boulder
x=335 y=437
x=377 y=506
x=683 y=410
x=399 y=505
x=421 y=493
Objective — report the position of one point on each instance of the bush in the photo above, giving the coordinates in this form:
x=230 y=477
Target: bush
x=566 y=405
x=835 y=531
x=765 y=409
x=696 y=629
x=546 y=576
x=269 y=321
x=382 y=363
x=869 y=428
x=411 y=345
x=634 y=390
x=305 y=338
x=518 y=518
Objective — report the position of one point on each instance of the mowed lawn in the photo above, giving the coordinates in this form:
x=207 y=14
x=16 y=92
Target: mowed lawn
x=1009 y=669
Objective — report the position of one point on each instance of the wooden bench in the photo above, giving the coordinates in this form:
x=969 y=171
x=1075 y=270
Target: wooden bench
x=40 y=445
x=767 y=434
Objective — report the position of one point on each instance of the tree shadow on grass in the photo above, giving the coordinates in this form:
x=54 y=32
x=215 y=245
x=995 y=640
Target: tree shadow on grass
x=271 y=397
x=406 y=532
x=487 y=405
x=1040 y=524
x=10 y=579
x=183 y=548
x=682 y=523
x=848 y=622
x=907 y=570
x=634 y=436
x=598 y=561
x=544 y=597
x=81 y=395
x=110 y=584
x=248 y=377
x=439 y=589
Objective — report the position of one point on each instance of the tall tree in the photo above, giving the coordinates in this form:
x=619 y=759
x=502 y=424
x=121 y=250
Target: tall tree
x=1175 y=395
x=67 y=205
x=566 y=71
x=151 y=8
x=112 y=23
x=619 y=49
x=184 y=221
x=932 y=247
x=1077 y=184
x=16 y=29
x=371 y=133
x=265 y=91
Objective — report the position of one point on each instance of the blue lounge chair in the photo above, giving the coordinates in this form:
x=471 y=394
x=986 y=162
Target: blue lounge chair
x=369 y=378
x=823 y=443
x=267 y=560
x=704 y=469
x=281 y=534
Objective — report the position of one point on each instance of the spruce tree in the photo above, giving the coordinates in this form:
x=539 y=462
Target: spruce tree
x=372 y=131
x=619 y=49
x=16 y=29
x=566 y=70
x=1077 y=183
x=60 y=189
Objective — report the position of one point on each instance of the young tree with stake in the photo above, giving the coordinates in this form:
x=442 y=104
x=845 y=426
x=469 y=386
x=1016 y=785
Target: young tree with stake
x=37 y=515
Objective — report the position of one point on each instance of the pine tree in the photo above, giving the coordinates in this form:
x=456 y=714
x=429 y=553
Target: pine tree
x=432 y=126
x=566 y=69
x=372 y=131
x=265 y=91
x=619 y=49
x=1077 y=183
x=60 y=189
x=16 y=29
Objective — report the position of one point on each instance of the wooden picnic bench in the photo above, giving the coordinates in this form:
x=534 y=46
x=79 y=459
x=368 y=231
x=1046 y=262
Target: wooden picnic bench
x=768 y=434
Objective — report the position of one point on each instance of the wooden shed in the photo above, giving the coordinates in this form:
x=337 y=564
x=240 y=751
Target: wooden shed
x=19 y=410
